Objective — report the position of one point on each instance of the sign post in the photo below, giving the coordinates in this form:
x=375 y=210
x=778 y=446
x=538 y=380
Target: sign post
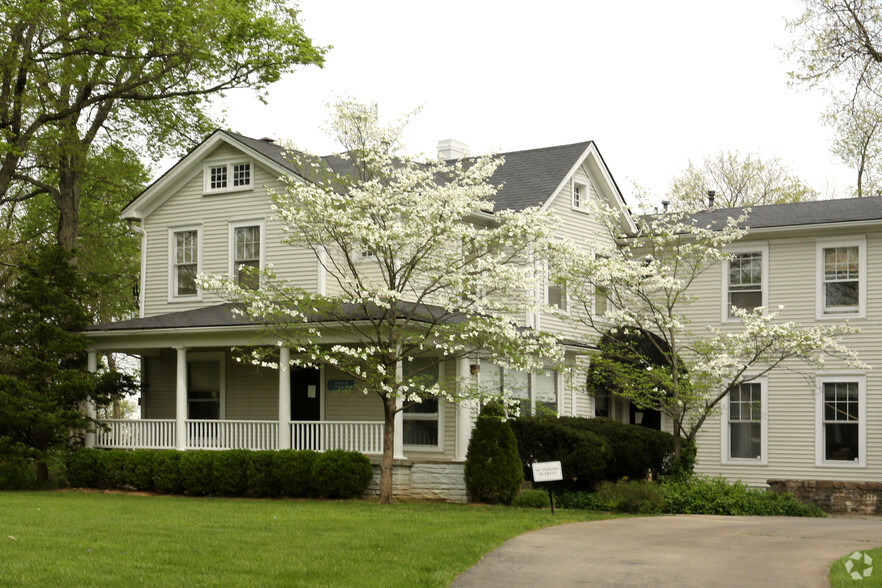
x=548 y=471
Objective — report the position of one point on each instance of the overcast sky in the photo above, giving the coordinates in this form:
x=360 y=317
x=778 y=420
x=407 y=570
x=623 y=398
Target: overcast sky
x=654 y=84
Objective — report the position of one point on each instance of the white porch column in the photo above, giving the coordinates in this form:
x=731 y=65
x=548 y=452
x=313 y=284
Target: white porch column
x=463 y=410
x=91 y=411
x=181 y=400
x=398 y=445
x=284 y=397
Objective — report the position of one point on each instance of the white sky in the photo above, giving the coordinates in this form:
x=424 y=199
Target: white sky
x=653 y=83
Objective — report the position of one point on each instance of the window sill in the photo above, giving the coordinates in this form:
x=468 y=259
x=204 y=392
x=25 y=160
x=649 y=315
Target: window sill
x=177 y=299
x=426 y=448
x=581 y=209
x=227 y=190
x=841 y=465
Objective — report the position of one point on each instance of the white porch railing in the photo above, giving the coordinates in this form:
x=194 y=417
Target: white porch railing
x=211 y=434
x=136 y=434
x=364 y=437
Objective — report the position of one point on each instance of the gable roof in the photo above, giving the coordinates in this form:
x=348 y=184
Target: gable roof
x=798 y=214
x=528 y=178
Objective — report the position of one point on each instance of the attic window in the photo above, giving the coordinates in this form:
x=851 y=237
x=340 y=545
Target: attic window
x=228 y=176
x=579 y=193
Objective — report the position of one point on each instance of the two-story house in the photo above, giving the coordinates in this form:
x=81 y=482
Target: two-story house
x=211 y=213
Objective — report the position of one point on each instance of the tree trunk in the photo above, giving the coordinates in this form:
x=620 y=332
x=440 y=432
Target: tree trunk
x=388 y=449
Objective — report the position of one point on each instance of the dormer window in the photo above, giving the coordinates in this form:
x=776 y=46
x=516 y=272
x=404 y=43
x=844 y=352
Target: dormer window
x=228 y=176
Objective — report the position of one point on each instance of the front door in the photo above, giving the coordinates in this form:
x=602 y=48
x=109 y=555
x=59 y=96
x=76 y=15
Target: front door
x=306 y=403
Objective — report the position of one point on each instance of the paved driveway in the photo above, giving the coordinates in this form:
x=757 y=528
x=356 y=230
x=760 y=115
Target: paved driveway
x=681 y=550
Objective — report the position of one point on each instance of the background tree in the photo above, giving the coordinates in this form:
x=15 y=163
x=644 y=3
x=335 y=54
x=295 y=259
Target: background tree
x=648 y=279
x=417 y=272
x=79 y=75
x=838 y=48
x=43 y=377
x=738 y=180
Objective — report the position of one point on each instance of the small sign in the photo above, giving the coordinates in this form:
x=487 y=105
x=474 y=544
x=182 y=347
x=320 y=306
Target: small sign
x=340 y=385
x=547 y=471
x=310 y=391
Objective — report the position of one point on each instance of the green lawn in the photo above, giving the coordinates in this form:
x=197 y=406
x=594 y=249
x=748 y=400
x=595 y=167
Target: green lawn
x=839 y=574
x=91 y=539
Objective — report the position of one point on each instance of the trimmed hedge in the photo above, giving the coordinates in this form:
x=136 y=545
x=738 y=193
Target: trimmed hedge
x=493 y=471
x=296 y=474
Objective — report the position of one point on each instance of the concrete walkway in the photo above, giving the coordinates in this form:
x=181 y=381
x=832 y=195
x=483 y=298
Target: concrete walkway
x=680 y=551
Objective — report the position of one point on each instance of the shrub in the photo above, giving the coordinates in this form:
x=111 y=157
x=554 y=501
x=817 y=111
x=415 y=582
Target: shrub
x=197 y=476
x=342 y=474
x=635 y=450
x=582 y=500
x=230 y=472
x=293 y=471
x=167 y=471
x=703 y=495
x=532 y=499
x=493 y=469
x=84 y=468
x=630 y=496
x=583 y=455
x=139 y=470
x=17 y=473
x=262 y=477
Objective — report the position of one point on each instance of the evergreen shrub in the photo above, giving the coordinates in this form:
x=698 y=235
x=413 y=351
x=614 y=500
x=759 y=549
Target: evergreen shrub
x=140 y=469
x=493 y=469
x=293 y=470
x=167 y=471
x=263 y=480
x=342 y=474
x=197 y=472
x=230 y=472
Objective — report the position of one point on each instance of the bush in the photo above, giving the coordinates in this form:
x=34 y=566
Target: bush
x=84 y=468
x=167 y=471
x=583 y=455
x=703 y=495
x=630 y=496
x=342 y=474
x=578 y=500
x=17 y=473
x=230 y=472
x=532 y=499
x=293 y=471
x=139 y=470
x=493 y=469
x=197 y=475
x=635 y=450
x=262 y=477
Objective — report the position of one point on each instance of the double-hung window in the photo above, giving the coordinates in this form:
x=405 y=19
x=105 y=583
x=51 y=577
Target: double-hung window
x=556 y=291
x=841 y=415
x=422 y=420
x=185 y=262
x=745 y=278
x=745 y=426
x=530 y=392
x=228 y=176
x=246 y=249
x=842 y=279
x=579 y=193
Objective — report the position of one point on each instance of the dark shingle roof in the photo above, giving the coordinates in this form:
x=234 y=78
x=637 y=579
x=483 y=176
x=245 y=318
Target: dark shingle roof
x=528 y=177
x=798 y=213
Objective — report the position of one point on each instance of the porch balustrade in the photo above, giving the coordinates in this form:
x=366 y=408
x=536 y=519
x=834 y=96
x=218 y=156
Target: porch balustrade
x=361 y=436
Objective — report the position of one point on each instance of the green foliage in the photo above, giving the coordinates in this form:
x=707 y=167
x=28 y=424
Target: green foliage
x=140 y=469
x=702 y=495
x=293 y=470
x=84 y=468
x=263 y=479
x=167 y=471
x=584 y=455
x=341 y=474
x=635 y=450
x=493 y=470
x=230 y=471
x=20 y=473
x=197 y=472
x=532 y=499
x=633 y=496
x=43 y=377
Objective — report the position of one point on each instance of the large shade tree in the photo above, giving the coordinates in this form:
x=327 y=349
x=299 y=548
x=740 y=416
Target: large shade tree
x=420 y=269
x=649 y=280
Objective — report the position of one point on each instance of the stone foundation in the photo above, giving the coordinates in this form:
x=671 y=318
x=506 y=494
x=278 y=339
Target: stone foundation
x=423 y=481
x=834 y=496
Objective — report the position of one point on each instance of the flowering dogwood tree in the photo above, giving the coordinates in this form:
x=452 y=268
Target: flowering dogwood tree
x=418 y=264
x=648 y=279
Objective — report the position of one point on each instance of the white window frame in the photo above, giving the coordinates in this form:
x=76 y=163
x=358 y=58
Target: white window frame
x=821 y=303
x=580 y=202
x=439 y=416
x=564 y=293
x=173 y=295
x=220 y=358
x=229 y=165
x=725 y=437
x=261 y=224
x=844 y=377
x=761 y=247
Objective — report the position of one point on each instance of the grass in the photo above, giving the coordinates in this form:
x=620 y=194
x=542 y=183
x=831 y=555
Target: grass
x=92 y=539
x=839 y=575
